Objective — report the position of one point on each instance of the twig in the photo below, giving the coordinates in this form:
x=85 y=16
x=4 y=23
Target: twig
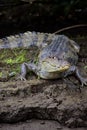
x=70 y=27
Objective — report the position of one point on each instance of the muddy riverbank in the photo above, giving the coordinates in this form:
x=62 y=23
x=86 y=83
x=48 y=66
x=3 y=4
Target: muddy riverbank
x=37 y=125
x=62 y=100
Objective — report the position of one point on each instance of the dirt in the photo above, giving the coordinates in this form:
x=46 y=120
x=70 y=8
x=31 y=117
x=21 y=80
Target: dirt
x=59 y=100
x=62 y=100
x=36 y=125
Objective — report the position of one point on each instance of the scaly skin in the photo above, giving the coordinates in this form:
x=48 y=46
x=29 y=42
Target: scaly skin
x=58 y=56
x=26 y=40
x=56 y=60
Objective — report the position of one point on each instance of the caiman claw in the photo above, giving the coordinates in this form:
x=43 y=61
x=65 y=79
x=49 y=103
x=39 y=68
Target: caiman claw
x=22 y=78
x=83 y=81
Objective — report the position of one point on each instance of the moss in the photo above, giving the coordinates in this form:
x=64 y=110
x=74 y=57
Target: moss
x=0 y=74
x=85 y=67
x=15 y=56
x=11 y=59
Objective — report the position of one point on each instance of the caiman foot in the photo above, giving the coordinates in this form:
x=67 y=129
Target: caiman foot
x=22 y=78
x=83 y=81
x=25 y=67
x=76 y=71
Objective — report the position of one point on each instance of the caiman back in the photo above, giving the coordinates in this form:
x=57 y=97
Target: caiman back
x=26 y=40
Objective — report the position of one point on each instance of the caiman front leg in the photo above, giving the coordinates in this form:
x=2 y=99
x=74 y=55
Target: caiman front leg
x=76 y=71
x=25 y=67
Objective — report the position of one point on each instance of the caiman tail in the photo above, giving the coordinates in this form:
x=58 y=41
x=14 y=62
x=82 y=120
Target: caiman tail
x=25 y=40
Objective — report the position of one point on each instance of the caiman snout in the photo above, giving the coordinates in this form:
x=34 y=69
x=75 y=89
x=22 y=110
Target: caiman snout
x=53 y=64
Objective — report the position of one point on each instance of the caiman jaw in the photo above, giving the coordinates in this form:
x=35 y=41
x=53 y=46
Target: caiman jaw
x=63 y=68
x=55 y=65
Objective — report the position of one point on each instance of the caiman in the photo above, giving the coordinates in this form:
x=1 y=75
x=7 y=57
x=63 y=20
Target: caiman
x=58 y=55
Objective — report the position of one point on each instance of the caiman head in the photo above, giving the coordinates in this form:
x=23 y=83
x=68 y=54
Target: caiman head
x=54 y=65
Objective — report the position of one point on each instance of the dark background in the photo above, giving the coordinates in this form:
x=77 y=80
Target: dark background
x=42 y=16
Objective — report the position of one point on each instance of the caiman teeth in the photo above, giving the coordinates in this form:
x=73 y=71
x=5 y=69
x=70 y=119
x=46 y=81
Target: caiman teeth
x=64 y=68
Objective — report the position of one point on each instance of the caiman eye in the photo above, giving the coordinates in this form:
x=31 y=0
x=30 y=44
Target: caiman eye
x=54 y=57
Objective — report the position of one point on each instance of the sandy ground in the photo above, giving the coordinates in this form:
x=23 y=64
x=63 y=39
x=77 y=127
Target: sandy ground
x=36 y=125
